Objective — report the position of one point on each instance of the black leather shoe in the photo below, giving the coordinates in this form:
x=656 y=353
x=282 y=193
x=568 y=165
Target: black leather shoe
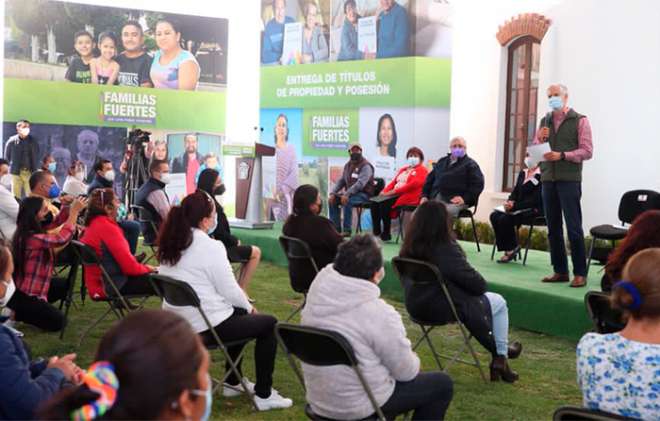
x=499 y=369
x=515 y=348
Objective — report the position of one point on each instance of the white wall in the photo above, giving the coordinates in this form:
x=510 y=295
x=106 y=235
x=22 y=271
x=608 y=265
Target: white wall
x=607 y=53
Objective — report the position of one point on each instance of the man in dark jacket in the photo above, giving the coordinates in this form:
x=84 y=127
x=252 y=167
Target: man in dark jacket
x=153 y=198
x=456 y=180
x=357 y=181
x=22 y=152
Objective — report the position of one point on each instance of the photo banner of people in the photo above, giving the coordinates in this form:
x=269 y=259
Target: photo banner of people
x=127 y=69
x=342 y=72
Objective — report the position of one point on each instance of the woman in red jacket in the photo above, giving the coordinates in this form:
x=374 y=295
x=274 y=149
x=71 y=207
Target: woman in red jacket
x=108 y=241
x=405 y=189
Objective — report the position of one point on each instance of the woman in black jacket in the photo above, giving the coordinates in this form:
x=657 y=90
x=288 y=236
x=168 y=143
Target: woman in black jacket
x=248 y=256
x=524 y=203
x=429 y=237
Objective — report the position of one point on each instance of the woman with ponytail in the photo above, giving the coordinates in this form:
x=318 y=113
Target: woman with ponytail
x=149 y=366
x=188 y=254
x=620 y=372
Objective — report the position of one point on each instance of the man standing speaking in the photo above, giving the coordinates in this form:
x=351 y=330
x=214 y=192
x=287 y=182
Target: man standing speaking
x=569 y=136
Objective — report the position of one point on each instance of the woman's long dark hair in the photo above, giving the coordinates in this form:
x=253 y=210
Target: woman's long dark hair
x=207 y=179
x=27 y=225
x=391 y=148
x=98 y=200
x=155 y=355
x=430 y=226
x=304 y=197
x=176 y=233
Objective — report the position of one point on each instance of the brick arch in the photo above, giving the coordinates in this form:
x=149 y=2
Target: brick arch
x=527 y=24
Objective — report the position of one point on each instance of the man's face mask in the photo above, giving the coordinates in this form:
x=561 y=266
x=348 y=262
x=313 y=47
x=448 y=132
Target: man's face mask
x=355 y=156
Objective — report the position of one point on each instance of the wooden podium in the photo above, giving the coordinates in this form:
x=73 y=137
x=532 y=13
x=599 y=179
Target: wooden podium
x=249 y=200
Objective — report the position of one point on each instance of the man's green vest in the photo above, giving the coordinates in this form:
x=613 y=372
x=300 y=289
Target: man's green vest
x=563 y=140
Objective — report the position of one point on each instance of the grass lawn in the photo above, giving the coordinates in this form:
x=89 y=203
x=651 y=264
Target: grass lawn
x=546 y=367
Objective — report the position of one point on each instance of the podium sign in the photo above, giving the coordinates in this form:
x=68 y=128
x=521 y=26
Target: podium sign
x=249 y=190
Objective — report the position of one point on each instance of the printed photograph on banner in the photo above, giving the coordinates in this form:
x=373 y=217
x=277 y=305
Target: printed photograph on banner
x=385 y=136
x=295 y=31
x=282 y=128
x=70 y=151
x=80 y=43
x=188 y=153
x=433 y=35
x=368 y=29
x=431 y=133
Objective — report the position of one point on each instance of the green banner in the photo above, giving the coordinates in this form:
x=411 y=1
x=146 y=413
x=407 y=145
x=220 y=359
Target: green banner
x=399 y=82
x=238 y=150
x=49 y=102
x=329 y=132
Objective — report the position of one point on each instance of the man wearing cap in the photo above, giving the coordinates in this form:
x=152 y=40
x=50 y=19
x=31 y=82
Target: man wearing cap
x=357 y=181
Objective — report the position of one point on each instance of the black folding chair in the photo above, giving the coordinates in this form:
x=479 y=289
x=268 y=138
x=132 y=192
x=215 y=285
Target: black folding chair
x=632 y=204
x=403 y=210
x=118 y=303
x=577 y=413
x=149 y=228
x=418 y=272
x=181 y=294
x=605 y=318
x=73 y=263
x=531 y=221
x=299 y=256
x=469 y=213
x=323 y=348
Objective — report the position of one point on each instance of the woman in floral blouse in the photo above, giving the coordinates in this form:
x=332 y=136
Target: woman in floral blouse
x=620 y=372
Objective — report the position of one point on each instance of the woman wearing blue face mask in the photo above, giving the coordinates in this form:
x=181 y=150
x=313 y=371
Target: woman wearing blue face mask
x=188 y=254
x=405 y=189
x=48 y=164
x=149 y=366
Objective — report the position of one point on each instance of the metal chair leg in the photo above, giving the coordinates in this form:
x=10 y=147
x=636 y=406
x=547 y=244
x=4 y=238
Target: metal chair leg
x=492 y=253
x=474 y=232
x=297 y=310
x=358 y=226
x=591 y=252
x=528 y=243
x=400 y=233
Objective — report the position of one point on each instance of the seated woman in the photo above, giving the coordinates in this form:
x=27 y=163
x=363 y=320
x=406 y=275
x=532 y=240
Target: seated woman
x=146 y=348
x=34 y=257
x=429 y=237
x=643 y=233
x=618 y=372
x=524 y=202
x=74 y=184
x=249 y=256
x=405 y=189
x=320 y=234
x=106 y=237
x=188 y=254
x=342 y=297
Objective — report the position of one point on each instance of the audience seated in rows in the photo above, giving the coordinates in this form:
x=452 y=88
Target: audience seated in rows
x=620 y=372
x=405 y=189
x=149 y=366
x=74 y=184
x=429 y=237
x=456 y=180
x=188 y=254
x=8 y=203
x=34 y=258
x=355 y=186
x=103 y=234
x=152 y=196
x=345 y=298
x=249 y=256
x=307 y=224
x=643 y=233
x=523 y=203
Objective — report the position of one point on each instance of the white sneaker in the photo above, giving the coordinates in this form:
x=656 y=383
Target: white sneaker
x=274 y=401
x=231 y=391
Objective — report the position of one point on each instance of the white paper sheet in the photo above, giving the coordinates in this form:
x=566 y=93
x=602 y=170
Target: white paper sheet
x=536 y=153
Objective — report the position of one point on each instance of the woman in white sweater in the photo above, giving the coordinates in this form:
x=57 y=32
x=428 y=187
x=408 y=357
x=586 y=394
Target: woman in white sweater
x=188 y=254
x=345 y=298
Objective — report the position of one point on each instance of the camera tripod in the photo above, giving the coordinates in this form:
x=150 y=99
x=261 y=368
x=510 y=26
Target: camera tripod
x=136 y=173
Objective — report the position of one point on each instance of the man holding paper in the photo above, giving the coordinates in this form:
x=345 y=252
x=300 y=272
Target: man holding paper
x=569 y=136
x=273 y=41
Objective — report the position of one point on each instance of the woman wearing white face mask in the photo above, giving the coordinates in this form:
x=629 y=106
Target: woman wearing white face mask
x=405 y=189
x=74 y=184
x=342 y=297
x=8 y=204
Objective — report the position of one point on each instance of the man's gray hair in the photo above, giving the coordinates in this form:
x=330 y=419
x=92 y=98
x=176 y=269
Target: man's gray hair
x=458 y=138
x=563 y=90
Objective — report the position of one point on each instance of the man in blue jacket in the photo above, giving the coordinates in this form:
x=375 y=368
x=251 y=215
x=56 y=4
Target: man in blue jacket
x=393 y=31
x=456 y=180
x=273 y=41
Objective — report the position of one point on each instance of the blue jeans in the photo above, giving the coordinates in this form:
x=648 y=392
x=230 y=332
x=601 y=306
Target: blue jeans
x=355 y=199
x=428 y=395
x=500 y=313
x=131 y=232
x=564 y=197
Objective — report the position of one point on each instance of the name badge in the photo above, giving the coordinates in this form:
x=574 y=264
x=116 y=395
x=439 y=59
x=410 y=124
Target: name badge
x=354 y=175
x=535 y=181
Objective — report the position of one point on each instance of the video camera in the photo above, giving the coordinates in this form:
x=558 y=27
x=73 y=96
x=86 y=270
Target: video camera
x=138 y=137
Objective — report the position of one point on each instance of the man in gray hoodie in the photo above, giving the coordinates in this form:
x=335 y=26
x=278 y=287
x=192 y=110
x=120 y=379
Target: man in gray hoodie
x=345 y=298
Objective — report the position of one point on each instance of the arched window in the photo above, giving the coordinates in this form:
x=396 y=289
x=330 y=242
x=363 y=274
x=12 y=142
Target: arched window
x=521 y=97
